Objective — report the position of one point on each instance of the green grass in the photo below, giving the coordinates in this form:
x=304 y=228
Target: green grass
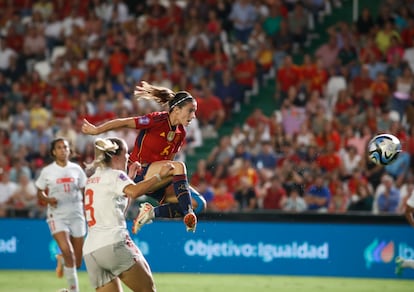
x=45 y=281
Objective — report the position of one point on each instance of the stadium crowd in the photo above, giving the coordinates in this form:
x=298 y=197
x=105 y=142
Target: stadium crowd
x=63 y=61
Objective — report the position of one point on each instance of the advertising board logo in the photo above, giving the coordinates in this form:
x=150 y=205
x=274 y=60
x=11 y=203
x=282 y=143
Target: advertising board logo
x=378 y=252
x=8 y=245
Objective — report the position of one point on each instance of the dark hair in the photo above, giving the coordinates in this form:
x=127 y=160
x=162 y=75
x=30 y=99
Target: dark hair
x=54 y=142
x=181 y=98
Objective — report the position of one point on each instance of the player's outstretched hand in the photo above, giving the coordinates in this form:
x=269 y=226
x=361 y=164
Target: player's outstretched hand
x=88 y=128
x=166 y=170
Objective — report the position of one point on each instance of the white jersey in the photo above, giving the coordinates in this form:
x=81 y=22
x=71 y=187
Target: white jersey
x=64 y=184
x=105 y=205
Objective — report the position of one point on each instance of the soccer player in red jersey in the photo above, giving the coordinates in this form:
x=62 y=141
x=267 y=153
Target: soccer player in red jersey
x=161 y=135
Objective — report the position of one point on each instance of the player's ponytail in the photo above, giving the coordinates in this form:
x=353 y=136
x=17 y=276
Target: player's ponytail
x=105 y=149
x=161 y=95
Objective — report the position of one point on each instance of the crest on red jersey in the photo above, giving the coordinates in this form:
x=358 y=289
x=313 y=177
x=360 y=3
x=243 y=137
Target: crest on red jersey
x=170 y=135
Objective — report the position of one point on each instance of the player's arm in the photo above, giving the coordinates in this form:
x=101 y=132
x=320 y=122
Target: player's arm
x=409 y=214
x=42 y=196
x=139 y=189
x=88 y=128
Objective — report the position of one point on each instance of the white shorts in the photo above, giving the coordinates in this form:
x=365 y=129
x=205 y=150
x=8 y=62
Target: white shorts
x=108 y=262
x=75 y=226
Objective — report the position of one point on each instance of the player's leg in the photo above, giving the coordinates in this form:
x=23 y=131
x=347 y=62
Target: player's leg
x=100 y=278
x=181 y=191
x=132 y=268
x=77 y=235
x=139 y=277
x=77 y=243
x=69 y=267
x=113 y=286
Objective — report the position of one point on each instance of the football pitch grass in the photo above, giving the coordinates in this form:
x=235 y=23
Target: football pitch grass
x=46 y=281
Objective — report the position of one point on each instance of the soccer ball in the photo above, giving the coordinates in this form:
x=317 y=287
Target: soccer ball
x=383 y=149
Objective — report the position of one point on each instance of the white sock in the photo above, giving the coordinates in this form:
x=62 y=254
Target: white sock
x=408 y=264
x=72 y=278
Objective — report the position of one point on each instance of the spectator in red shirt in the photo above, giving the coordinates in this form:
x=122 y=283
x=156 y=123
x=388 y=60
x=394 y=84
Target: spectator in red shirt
x=117 y=61
x=329 y=160
x=244 y=70
x=61 y=106
x=287 y=76
x=274 y=195
x=210 y=108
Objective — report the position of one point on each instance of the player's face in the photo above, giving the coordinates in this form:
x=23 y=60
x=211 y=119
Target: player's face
x=61 y=151
x=187 y=113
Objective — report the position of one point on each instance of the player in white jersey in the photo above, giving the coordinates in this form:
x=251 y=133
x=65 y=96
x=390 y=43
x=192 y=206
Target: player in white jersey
x=409 y=214
x=110 y=254
x=60 y=185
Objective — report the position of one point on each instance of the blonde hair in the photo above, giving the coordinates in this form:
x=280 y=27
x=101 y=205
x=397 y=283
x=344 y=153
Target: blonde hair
x=105 y=149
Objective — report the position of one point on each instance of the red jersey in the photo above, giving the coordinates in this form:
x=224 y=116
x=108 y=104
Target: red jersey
x=157 y=140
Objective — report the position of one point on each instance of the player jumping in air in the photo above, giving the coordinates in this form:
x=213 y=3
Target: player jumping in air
x=161 y=135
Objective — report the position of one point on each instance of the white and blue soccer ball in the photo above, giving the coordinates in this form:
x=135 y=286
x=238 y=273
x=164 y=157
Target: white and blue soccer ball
x=383 y=149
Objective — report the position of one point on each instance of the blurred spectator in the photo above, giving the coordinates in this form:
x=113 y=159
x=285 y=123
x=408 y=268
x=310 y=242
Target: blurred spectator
x=387 y=197
x=298 y=20
x=365 y=22
x=243 y=15
x=221 y=153
x=245 y=195
x=23 y=202
x=266 y=158
x=403 y=88
x=244 y=71
x=237 y=136
x=294 y=202
x=229 y=93
x=318 y=196
x=362 y=199
x=384 y=35
x=202 y=173
x=41 y=134
x=18 y=168
x=6 y=54
x=339 y=200
x=210 y=111
x=351 y=160
x=223 y=200
x=287 y=76
x=66 y=130
x=273 y=196
x=20 y=136
x=328 y=52
x=7 y=189
x=34 y=46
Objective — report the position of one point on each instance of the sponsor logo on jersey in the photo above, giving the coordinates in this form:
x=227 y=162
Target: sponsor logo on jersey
x=123 y=177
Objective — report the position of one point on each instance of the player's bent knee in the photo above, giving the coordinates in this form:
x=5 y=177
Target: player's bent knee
x=179 y=166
